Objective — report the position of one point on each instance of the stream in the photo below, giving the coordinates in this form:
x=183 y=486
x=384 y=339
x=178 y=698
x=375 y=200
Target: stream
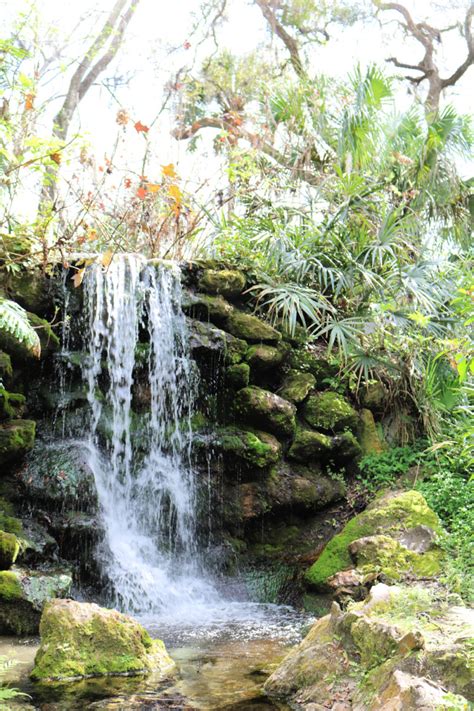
x=222 y=665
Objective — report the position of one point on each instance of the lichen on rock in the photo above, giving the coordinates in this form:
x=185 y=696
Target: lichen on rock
x=81 y=640
x=297 y=386
x=309 y=445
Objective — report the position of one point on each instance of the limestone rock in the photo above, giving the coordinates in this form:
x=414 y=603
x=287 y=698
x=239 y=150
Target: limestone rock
x=80 y=640
x=329 y=411
x=309 y=445
x=297 y=386
x=265 y=410
x=301 y=488
x=206 y=340
x=374 y=396
x=206 y=307
x=16 y=439
x=23 y=593
x=251 y=328
x=405 y=692
x=229 y=282
x=263 y=358
x=390 y=515
x=369 y=437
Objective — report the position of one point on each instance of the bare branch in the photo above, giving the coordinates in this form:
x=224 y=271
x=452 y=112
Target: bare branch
x=462 y=69
x=290 y=43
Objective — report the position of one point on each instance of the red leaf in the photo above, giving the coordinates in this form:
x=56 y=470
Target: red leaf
x=141 y=128
x=141 y=193
x=127 y=182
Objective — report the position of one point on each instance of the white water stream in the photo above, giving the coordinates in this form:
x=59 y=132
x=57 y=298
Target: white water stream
x=146 y=488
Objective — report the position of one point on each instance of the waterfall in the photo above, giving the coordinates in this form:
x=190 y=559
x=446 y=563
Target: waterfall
x=144 y=477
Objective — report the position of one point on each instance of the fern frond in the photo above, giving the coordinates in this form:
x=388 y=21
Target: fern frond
x=14 y=322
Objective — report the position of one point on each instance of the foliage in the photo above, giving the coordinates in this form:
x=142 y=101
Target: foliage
x=14 y=321
x=384 y=470
x=7 y=693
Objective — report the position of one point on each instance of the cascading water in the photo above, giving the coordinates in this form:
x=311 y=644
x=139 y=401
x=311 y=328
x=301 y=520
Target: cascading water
x=146 y=488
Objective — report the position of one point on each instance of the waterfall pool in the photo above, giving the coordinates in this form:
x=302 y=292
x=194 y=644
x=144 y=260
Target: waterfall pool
x=220 y=665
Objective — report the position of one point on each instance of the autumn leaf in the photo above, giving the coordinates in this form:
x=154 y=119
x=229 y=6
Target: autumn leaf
x=78 y=277
x=141 y=128
x=141 y=193
x=175 y=193
x=56 y=157
x=153 y=187
x=29 y=102
x=169 y=170
x=106 y=258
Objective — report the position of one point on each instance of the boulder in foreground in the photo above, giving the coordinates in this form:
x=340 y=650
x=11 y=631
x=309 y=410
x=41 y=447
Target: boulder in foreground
x=80 y=640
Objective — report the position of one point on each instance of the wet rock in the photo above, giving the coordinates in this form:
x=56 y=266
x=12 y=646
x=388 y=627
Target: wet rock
x=309 y=445
x=23 y=594
x=390 y=516
x=206 y=340
x=370 y=439
x=12 y=405
x=245 y=448
x=301 y=488
x=9 y=549
x=31 y=289
x=263 y=358
x=37 y=544
x=238 y=376
x=297 y=386
x=265 y=410
x=206 y=308
x=228 y=282
x=345 y=447
x=16 y=439
x=81 y=639
x=405 y=692
x=6 y=371
x=251 y=328
x=329 y=411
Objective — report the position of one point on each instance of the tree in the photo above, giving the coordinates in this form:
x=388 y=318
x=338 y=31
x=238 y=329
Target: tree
x=430 y=37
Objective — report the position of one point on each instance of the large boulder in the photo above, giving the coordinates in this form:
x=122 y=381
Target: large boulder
x=265 y=410
x=330 y=412
x=381 y=654
x=80 y=640
x=23 y=594
x=207 y=341
x=263 y=358
x=251 y=328
x=16 y=439
x=383 y=546
x=309 y=445
x=12 y=405
x=371 y=441
x=301 y=488
x=228 y=282
x=206 y=308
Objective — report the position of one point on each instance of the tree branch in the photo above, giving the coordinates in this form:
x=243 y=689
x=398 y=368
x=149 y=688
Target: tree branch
x=462 y=69
x=290 y=43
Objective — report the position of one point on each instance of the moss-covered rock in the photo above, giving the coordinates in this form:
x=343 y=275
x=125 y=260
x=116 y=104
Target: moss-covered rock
x=309 y=445
x=8 y=521
x=206 y=307
x=345 y=447
x=12 y=405
x=369 y=437
x=23 y=594
x=207 y=341
x=263 y=358
x=265 y=410
x=237 y=376
x=380 y=654
x=16 y=439
x=297 y=386
x=374 y=396
x=31 y=289
x=251 y=328
x=9 y=549
x=229 y=282
x=301 y=488
x=392 y=515
x=321 y=368
x=382 y=554
x=329 y=411
x=244 y=448
x=6 y=371
x=81 y=639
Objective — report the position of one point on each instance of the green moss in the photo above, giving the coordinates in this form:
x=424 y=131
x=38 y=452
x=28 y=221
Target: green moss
x=322 y=369
x=254 y=449
x=16 y=438
x=389 y=514
x=10 y=587
x=297 y=386
x=5 y=366
x=237 y=376
x=228 y=282
x=8 y=522
x=329 y=411
x=80 y=640
x=381 y=554
x=345 y=447
x=207 y=308
x=265 y=410
x=264 y=357
x=9 y=549
x=251 y=328
x=309 y=445
x=11 y=404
